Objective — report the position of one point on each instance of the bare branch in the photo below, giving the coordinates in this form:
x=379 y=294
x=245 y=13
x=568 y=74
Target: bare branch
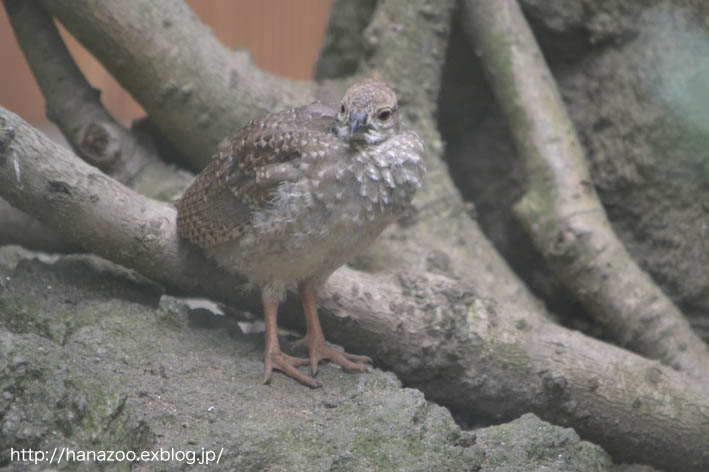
x=95 y=210
x=194 y=89
x=75 y=107
x=344 y=43
x=71 y=101
x=561 y=210
x=415 y=33
x=17 y=227
x=405 y=45
x=472 y=354
x=186 y=91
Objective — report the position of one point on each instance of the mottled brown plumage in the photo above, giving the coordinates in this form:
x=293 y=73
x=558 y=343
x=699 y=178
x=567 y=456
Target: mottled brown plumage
x=246 y=170
x=296 y=194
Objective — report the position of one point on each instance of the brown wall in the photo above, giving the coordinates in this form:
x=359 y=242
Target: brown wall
x=284 y=37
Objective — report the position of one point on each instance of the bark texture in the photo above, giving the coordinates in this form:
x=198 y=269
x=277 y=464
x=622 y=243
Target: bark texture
x=18 y=227
x=169 y=60
x=628 y=73
x=74 y=106
x=560 y=208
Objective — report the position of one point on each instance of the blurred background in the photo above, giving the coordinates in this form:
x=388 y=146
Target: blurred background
x=284 y=38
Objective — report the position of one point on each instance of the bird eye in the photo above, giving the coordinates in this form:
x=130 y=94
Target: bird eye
x=342 y=108
x=384 y=115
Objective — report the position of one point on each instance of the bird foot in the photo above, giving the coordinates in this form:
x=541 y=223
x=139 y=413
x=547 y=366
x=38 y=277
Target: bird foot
x=319 y=350
x=288 y=365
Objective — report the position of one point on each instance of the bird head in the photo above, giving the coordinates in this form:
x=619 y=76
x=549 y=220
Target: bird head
x=369 y=113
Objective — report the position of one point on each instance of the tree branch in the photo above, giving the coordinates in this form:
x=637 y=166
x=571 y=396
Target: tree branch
x=17 y=227
x=405 y=45
x=344 y=44
x=441 y=236
x=95 y=210
x=195 y=90
x=413 y=32
x=561 y=210
x=469 y=353
x=74 y=105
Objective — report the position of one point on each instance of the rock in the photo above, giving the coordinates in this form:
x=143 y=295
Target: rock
x=529 y=443
x=91 y=360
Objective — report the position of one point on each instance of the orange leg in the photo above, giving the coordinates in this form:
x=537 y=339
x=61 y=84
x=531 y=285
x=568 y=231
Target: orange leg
x=274 y=358
x=315 y=340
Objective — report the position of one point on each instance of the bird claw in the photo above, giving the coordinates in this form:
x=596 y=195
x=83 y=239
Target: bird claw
x=288 y=365
x=319 y=350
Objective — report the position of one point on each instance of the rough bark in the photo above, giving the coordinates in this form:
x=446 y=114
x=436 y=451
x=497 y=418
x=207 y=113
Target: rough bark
x=17 y=227
x=74 y=105
x=463 y=350
x=116 y=222
x=344 y=43
x=639 y=103
x=629 y=76
x=405 y=45
x=561 y=210
x=195 y=90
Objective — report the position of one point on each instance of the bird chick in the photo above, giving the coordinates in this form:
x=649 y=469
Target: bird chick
x=296 y=194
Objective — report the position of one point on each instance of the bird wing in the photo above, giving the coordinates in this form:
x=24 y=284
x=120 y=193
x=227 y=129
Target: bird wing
x=246 y=170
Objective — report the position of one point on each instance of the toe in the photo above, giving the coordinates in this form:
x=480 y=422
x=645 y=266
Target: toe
x=267 y=369
x=341 y=359
x=314 y=359
x=349 y=362
x=288 y=365
x=299 y=343
x=296 y=361
x=358 y=358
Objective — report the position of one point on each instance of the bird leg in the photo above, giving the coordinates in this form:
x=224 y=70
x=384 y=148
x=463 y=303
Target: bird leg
x=315 y=340
x=274 y=358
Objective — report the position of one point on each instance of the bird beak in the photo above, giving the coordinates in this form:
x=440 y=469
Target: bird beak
x=358 y=121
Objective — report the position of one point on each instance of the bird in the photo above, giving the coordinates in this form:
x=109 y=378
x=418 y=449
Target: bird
x=296 y=194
